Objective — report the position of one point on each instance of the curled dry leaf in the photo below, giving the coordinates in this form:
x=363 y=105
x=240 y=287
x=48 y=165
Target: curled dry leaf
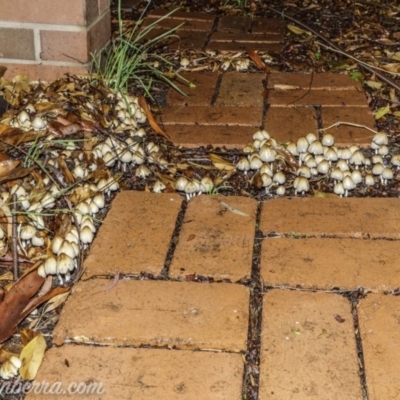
x=153 y=123
x=31 y=356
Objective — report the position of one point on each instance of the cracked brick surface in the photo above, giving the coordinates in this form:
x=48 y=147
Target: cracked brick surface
x=308 y=347
x=139 y=244
x=183 y=314
x=214 y=241
x=351 y=218
x=145 y=374
x=379 y=319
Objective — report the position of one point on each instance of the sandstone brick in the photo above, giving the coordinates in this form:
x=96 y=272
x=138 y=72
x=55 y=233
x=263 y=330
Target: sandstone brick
x=354 y=217
x=317 y=81
x=379 y=327
x=17 y=43
x=214 y=241
x=227 y=116
x=45 y=11
x=146 y=374
x=64 y=46
x=238 y=89
x=233 y=23
x=216 y=135
x=137 y=231
x=246 y=38
x=327 y=98
x=308 y=347
x=229 y=46
x=200 y=95
x=289 y=124
x=187 y=315
x=346 y=135
x=42 y=71
x=262 y=25
x=328 y=263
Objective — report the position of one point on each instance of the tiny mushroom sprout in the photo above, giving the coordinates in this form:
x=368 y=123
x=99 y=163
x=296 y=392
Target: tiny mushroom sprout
x=328 y=140
x=387 y=174
x=348 y=184
x=380 y=139
x=302 y=145
x=396 y=160
x=357 y=159
x=339 y=189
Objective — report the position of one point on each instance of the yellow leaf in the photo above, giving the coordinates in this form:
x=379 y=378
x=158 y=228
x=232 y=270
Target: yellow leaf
x=382 y=112
x=220 y=163
x=296 y=30
x=324 y=194
x=55 y=301
x=31 y=357
x=373 y=84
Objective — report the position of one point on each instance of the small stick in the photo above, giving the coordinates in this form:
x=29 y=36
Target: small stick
x=112 y=284
x=336 y=124
x=14 y=238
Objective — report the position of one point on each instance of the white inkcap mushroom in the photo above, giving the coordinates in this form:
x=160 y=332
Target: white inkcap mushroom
x=292 y=148
x=357 y=159
x=323 y=167
x=383 y=150
x=27 y=232
x=316 y=148
x=71 y=237
x=377 y=169
x=336 y=174
x=376 y=159
x=331 y=155
x=65 y=264
x=328 y=140
x=356 y=176
x=99 y=200
x=279 y=177
x=346 y=153
x=88 y=221
x=261 y=135
x=267 y=154
x=243 y=164
x=38 y=123
x=310 y=161
x=396 y=160
x=206 y=184
x=348 y=184
x=191 y=188
x=380 y=139
x=266 y=180
x=280 y=190
x=9 y=369
x=50 y=266
x=142 y=171
x=158 y=187
x=311 y=137
x=255 y=161
x=181 y=183
x=369 y=180
x=23 y=116
x=303 y=171
x=249 y=148
x=37 y=240
x=86 y=235
x=302 y=145
x=342 y=165
x=266 y=169
x=353 y=148
x=339 y=189
x=185 y=62
x=387 y=174
x=301 y=185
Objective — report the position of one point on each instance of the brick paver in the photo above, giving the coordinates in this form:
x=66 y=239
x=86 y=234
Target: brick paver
x=241 y=90
x=357 y=218
x=214 y=241
x=331 y=263
x=230 y=23
x=288 y=125
x=308 y=348
x=183 y=314
x=145 y=374
x=137 y=232
x=379 y=319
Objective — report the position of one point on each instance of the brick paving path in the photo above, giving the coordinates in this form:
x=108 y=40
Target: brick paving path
x=175 y=338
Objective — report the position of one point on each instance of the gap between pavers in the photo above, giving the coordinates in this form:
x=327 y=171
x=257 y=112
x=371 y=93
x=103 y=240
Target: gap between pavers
x=331 y=263
x=215 y=241
x=187 y=315
x=142 y=374
x=374 y=218
x=379 y=321
x=308 y=347
x=136 y=234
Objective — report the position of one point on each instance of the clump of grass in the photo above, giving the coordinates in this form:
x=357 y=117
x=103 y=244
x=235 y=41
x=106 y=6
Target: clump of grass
x=134 y=59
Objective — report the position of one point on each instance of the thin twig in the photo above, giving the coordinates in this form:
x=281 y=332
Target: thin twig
x=15 y=239
x=336 y=124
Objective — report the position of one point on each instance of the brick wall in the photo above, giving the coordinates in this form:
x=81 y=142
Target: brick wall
x=47 y=38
